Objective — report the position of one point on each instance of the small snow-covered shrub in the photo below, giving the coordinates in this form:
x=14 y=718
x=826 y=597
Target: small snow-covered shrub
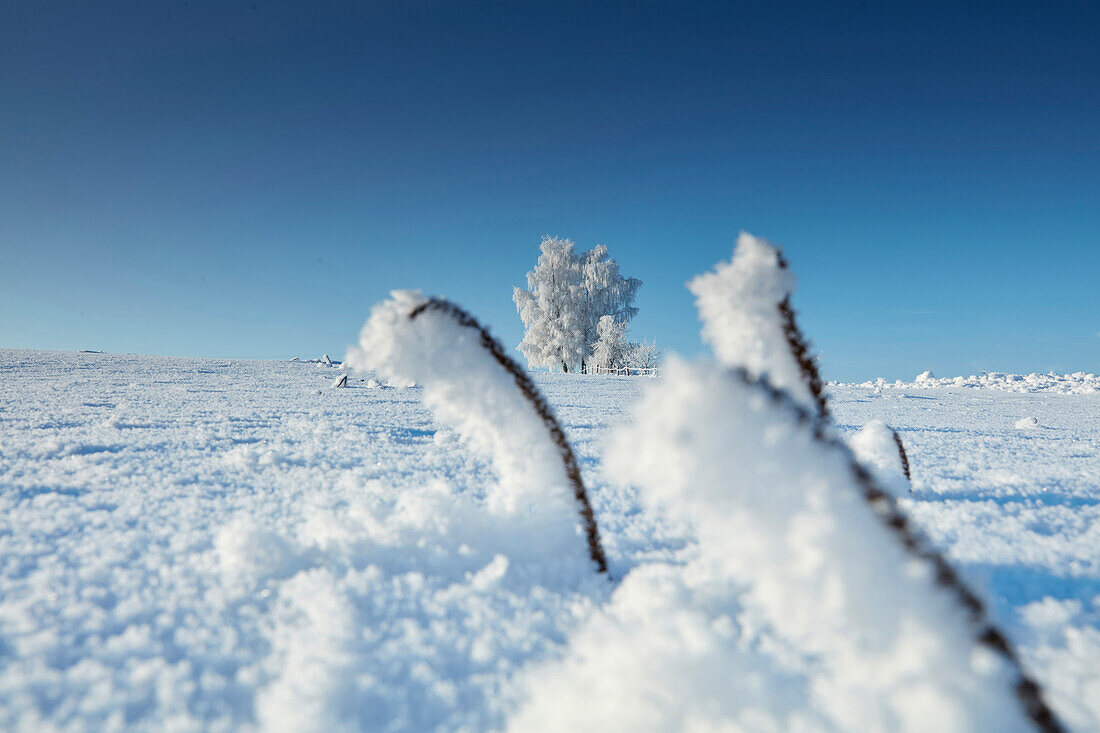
x=645 y=356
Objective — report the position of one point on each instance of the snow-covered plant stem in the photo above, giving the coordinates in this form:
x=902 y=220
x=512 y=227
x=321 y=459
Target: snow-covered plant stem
x=885 y=508
x=749 y=322
x=472 y=387
x=800 y=348
x=542 y=409
x=902 y=455
x=782 y=505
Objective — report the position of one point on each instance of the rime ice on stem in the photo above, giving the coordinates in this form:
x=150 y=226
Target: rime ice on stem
x=471 y=384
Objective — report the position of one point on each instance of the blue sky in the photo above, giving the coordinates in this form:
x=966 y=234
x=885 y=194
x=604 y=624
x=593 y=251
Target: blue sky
x=248 y=178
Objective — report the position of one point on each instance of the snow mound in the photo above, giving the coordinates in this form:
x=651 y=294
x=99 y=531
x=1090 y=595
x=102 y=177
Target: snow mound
x=1067 y=635
x=250 y=554
x=673 y=650
x=876 y=447
x=408 y=612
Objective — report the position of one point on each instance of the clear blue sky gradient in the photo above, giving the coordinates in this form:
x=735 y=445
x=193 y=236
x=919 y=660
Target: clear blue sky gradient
x=247 y=179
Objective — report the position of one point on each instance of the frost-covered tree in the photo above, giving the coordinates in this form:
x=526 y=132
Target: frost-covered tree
x=606 y=292
x=568 y=293
x=611 y=349
x=645 y=355
x=550 y=310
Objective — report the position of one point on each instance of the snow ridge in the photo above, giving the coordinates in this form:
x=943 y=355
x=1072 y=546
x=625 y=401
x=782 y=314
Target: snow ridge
x=1076 y=383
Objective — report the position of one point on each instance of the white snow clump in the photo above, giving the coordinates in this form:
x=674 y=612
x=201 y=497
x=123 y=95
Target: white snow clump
x=738 y=303
x=468 y=390
x=876 y=449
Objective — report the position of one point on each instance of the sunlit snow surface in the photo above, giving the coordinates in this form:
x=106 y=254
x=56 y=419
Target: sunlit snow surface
x=191 y=543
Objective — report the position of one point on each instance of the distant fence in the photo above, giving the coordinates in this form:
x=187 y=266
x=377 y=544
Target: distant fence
x=623 y=371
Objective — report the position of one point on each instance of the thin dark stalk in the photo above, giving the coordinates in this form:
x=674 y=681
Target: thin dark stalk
x=985 y=633
x=542 y=408
x=902 y=454
x=800 y=349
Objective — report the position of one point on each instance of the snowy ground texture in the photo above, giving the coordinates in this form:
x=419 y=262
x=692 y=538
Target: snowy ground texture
x=208 y=544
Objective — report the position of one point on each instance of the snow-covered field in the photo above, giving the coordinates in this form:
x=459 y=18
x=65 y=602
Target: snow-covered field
x=211 y=544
